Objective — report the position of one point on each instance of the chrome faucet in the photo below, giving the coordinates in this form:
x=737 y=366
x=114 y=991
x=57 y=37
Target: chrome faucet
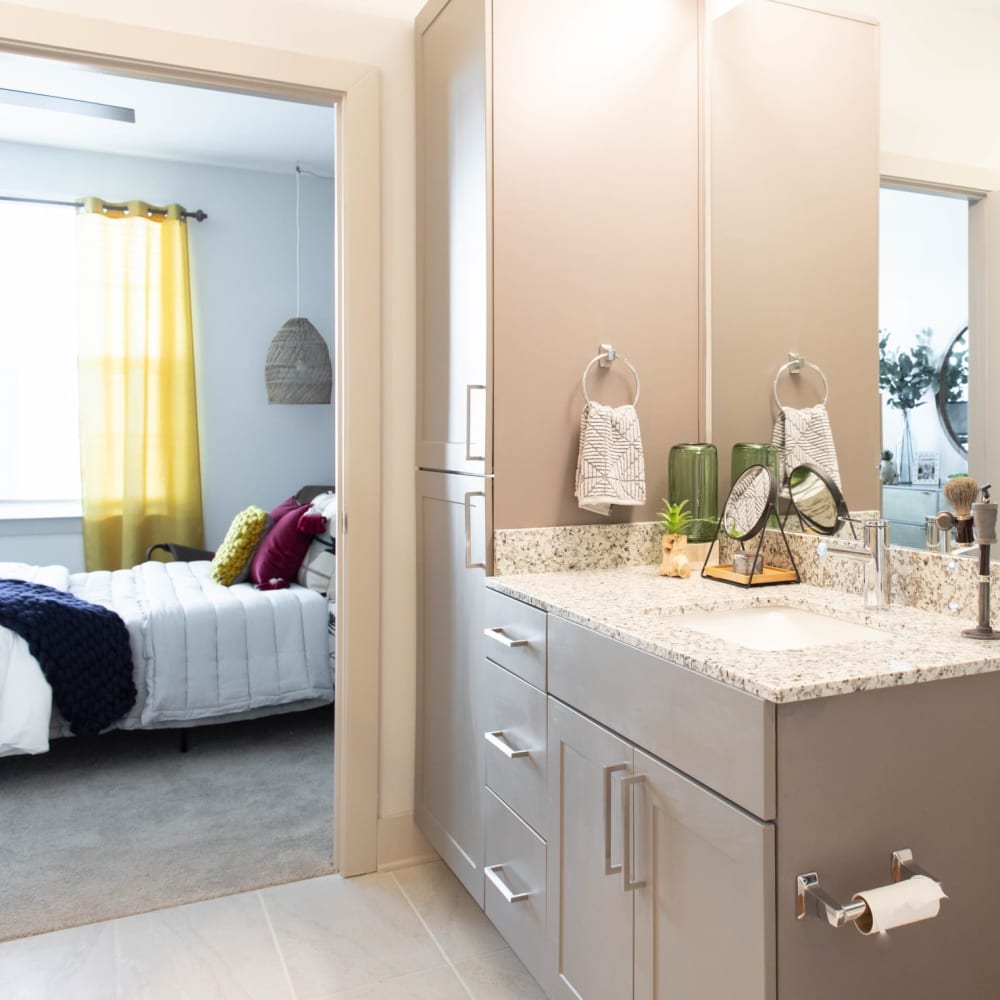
x=874 y=550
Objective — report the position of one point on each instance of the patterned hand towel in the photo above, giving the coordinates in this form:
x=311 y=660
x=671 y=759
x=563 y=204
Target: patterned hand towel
x=802 y=436
x=610 y=468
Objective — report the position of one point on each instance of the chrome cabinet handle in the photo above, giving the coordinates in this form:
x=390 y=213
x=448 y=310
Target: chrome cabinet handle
x=468 y=423
x=497 y=634
x=498 y=740
x=469 y=564
x=492 y=872
x=629 y=884
x=608 y=771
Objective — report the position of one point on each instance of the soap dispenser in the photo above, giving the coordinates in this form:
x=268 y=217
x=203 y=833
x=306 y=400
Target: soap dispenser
x=984 y=519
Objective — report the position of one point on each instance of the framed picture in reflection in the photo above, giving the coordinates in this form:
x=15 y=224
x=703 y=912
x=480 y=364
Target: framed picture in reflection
x=927 y=468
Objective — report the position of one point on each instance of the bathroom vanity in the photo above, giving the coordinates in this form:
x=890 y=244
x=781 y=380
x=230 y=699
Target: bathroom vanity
x=653 y=791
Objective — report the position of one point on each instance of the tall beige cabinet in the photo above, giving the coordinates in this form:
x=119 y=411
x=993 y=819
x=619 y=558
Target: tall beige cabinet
x=559 y=204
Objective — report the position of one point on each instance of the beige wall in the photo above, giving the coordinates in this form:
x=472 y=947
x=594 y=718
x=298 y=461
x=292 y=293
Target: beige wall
x=596 y=200
x=940 y=78
x=794 y=232
x=388 y=44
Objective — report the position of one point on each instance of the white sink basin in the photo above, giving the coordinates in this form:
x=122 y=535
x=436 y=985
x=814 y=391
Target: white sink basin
x=778 y=627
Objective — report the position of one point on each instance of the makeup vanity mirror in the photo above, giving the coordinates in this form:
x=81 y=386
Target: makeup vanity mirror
x=750 y=503
x=817 y=500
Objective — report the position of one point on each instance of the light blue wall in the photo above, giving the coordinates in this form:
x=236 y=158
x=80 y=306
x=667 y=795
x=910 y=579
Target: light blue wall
x=243 y=289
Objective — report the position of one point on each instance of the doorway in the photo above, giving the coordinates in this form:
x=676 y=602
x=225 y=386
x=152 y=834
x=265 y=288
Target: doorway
x=353 y=88
x=924 y=311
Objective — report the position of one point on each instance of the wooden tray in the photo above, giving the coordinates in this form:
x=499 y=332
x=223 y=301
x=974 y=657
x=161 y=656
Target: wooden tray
x=769 y=575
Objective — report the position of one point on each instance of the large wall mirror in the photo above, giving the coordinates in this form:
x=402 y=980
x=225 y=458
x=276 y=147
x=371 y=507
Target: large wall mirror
x=939 y=77
x=939 y=166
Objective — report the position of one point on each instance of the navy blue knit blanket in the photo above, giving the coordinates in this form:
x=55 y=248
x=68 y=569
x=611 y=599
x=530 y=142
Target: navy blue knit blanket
x=83 y=650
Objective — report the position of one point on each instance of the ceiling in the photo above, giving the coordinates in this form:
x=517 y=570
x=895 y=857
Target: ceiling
x=172 y=121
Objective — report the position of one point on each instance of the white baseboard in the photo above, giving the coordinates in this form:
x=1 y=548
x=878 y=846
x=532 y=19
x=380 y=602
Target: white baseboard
x=400 y=843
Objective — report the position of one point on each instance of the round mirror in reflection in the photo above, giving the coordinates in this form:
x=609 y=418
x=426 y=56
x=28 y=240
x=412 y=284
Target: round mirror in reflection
x=816 y=499
x=951 y=392
x=749 y=503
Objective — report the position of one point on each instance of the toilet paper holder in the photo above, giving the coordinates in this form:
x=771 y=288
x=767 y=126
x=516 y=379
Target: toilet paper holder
x=811 y=900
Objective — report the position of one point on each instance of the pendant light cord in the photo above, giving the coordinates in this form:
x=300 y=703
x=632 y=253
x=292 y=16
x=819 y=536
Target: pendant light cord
x=298 y=304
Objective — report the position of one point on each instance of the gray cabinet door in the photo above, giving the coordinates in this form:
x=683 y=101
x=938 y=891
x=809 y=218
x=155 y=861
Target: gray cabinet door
x=452 y=239
x=590 y=918
x=450 y=758
x=704 y=909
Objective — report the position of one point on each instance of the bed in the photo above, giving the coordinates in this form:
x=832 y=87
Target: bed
x=201 y=652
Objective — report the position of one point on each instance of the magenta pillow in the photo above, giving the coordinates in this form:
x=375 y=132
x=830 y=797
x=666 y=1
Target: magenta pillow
x=279 y=555
x=283 y=508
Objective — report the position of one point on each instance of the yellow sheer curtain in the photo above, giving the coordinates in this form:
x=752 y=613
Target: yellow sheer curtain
x=138 y=416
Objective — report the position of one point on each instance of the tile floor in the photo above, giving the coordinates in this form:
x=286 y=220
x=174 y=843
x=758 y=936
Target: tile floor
x=413 y=934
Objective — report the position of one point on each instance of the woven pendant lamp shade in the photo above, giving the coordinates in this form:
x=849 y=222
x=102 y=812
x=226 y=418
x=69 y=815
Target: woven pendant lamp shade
x=298 y=368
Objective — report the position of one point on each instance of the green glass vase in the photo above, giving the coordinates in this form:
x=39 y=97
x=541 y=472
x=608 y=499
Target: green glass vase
x=693 y=475
x=747 y=454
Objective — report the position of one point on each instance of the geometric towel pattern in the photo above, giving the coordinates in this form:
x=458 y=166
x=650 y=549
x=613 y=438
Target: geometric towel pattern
x=805 y=436
x=610 y=467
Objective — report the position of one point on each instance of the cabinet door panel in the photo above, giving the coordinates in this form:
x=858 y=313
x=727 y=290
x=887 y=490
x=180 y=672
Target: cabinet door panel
x=452 y=238
x=516 y=711
x=704 y=914
x=520 y=855
x=450 y=765
x=589 y=914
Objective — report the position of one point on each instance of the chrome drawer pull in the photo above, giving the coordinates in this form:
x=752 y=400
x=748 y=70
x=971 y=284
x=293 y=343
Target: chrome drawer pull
x=497 y=634
x=498 y=740
x=469 y=564
x=493 y=874
x=468 y=423
x=629 y=884
x=608 y=771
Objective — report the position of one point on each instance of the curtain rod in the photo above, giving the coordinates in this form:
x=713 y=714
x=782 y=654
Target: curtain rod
x=198 y=216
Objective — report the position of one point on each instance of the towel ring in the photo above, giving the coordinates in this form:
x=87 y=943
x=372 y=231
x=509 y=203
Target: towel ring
x=795 y=366
x=601 y=357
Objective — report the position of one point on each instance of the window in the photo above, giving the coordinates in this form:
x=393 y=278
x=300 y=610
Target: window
x=39 y=446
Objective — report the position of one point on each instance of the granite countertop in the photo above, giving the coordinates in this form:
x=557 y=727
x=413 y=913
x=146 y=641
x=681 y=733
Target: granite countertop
x=638 y=607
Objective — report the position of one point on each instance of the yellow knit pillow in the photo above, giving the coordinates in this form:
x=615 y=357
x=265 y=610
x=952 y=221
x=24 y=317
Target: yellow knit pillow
x=233 y=556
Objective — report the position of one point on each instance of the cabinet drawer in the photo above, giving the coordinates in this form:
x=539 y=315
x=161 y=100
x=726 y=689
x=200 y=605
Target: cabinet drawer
x=515 y=637
x=717 y=734
x=514 y=716
x=515 y=865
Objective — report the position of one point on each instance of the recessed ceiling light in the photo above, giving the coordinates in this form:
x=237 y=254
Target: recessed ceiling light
x=67 y=105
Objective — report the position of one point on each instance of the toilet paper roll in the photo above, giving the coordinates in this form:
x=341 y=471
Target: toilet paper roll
x=915 y=898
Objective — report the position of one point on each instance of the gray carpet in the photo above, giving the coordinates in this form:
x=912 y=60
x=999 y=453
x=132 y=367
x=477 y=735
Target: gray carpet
x=123 y=823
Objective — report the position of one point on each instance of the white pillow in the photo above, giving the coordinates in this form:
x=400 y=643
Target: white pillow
x=319 y=568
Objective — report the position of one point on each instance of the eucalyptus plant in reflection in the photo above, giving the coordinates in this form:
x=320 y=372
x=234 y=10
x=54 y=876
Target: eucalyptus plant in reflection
x=905 y=377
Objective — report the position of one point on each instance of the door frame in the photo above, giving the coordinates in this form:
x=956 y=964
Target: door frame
x=979 y=187
x=355 y=91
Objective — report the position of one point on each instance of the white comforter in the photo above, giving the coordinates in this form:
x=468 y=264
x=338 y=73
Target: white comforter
x=200 y=650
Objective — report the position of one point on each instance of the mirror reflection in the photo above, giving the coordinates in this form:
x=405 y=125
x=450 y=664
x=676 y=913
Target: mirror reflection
x=952 y=390
x=924 y=353
x=816 y=499
x=748 y=504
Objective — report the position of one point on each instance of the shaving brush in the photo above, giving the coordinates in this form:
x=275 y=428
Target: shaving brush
x=961 y=493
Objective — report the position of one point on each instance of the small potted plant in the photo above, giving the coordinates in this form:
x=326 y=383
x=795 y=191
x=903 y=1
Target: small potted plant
x=887 y=470
x=674 y=522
